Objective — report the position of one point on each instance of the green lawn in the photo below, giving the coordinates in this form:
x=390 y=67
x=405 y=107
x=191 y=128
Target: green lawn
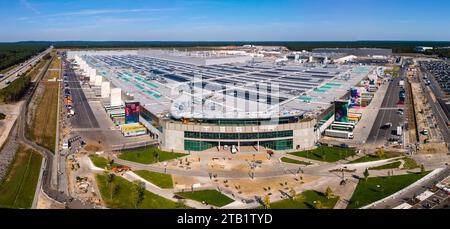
x=375 y=157
x=293 y=161
x=212 y=197
x=305 y=200
x=122 y=199
x=149 y=155
x=102 y=162
x=159 y=179
x=367 y=191
x=392 y=165
x=326 y=153
x=19 y=185
x=410 y=163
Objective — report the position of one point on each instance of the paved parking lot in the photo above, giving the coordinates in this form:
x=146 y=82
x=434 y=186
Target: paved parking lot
x=437 y=200
x=84 y=117
x=387 y=113
x=91 y=121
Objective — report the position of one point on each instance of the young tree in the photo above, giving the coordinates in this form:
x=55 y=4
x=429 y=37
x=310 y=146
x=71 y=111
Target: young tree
x=137 y=192
x=109 y=181
x=292 y=193
x=366 y=174
x=155 y=155
x=329 y=193
x=111 y=177
x=111 y=162
x=116 y=190
x=113 y=190
x=181 y=203
x=422 y=168
x=267 y=201
x=380 y=153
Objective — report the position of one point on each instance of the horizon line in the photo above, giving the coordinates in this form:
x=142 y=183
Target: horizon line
x=223 y=41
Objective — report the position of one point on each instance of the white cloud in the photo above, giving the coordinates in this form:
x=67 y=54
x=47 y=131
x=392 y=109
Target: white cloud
x=94 y=12
x=29 y=6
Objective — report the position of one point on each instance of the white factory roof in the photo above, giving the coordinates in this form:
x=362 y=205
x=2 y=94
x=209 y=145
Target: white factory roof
x=198 y=91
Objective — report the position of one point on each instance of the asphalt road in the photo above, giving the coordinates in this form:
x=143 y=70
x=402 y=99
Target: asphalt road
x=84 y=117
x=387 y=113
x=438 y=113
x=19 y=70
x=47 y=184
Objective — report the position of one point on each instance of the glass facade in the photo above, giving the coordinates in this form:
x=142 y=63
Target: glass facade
x=199 y=144
x=191 y=145
x=227 y=136
x=278 y=144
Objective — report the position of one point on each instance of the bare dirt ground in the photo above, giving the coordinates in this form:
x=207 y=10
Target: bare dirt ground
x=81 y=182
x=11 y=111
x=261 y=186
x=93 y=147
x=183 y=182
x=435 y=145
x=433 y=148
x=46 y=203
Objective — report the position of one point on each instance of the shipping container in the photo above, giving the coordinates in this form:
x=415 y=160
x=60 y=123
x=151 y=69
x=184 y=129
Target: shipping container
x=339 y=134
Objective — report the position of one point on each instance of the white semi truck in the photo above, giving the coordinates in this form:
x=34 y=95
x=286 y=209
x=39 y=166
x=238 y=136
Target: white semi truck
x=233 y=149
x=339 y=134
x=399 y=131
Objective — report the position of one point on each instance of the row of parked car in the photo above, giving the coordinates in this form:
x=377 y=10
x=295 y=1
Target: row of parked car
x=68 y=98
x=441 y=72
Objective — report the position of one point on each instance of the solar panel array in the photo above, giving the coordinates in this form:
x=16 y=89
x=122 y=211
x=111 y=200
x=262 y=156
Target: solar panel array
x=227 y=90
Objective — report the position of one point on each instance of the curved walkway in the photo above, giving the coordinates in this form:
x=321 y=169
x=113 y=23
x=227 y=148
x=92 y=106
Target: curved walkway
x=285 y=169
x=131 y=176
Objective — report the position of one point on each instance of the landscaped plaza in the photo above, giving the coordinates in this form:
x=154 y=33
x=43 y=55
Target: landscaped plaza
x=326 y=177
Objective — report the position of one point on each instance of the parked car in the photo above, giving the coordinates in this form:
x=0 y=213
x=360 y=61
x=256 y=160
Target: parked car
x=386 y=125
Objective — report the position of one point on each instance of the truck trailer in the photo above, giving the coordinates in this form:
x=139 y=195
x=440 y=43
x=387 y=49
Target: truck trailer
x=399 y=131
x=339 y=134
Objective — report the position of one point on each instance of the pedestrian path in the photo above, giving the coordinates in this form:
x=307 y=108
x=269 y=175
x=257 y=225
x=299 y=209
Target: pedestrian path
x=166 y=193
x=312 y=161
x=345 y=193
x=131 y=176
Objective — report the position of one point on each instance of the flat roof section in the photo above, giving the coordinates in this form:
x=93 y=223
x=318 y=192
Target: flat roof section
x=227 y=91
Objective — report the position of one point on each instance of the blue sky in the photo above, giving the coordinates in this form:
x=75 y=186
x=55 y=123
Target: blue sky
x=224 y=20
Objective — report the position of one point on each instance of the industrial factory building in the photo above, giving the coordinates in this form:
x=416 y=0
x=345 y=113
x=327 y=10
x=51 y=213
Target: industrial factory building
x=198 y=101
x=356 y=51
